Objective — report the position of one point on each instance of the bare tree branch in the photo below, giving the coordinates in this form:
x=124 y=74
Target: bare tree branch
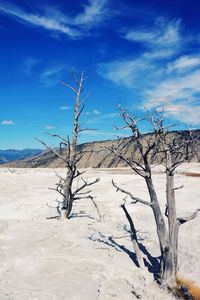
x=85 y=184
x=183 y=220
x=60 y=137
x=51 y=149
x=135 y=199
x=96 y=206
x=178 y=188
x=69 y=86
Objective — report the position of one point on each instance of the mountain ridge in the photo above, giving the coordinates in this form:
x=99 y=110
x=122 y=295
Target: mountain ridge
x=9 y=155
x=96 y=154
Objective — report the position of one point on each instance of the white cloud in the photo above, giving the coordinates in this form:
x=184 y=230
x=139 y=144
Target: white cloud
x=180 y=97
x=38 y=20
x=184 y=62
x=163 y=42
x=184 y=112
x=132 y=73
x=50 y=127
x=120 y=72
x=184 y=88
x=28 y=64
x=7 y=122
x=161 y=75
x=160 y=53
x=87 y=113
x=94 y=12
x=102 y=118
x=96 y=112
x=64 y=107
x=164 y=34
x=51 y=76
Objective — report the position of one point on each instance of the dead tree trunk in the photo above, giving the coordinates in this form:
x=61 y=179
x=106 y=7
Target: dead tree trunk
x=68 y=198
x=167 y=267
x=72 y=156
x=173 y=150
x=172 y=219
x=67 y=203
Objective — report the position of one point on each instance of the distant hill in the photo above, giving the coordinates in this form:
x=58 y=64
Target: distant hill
x=97 y=154
x=12 y=155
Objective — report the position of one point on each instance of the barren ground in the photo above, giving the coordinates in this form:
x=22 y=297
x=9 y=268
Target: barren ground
x=51 y=259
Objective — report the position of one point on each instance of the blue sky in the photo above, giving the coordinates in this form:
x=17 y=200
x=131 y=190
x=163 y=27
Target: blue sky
x=137 y=53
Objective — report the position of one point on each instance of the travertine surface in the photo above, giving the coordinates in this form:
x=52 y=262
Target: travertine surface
x=49 y=259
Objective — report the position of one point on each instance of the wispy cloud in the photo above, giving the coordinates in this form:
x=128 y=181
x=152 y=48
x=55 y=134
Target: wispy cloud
x=164 y=34
x=50 y=127
x=179 y=95
x=95 y=11
x=101 y=118
x=163 y=42
x=184 y=87
x=28 y=64
x=64 y=108
x=87 y=113
x=51 y=76
x=38 y=20
x=96 y=112
x=161 y=75
x=52 y=19
x=123 y=72
x=7 y=122
x=183 y=111
x=173 y=85
x=183 y=63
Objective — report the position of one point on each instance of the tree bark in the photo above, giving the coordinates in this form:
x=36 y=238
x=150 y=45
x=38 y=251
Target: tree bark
x=167 y=268
x=68 y=199
x=173 y=225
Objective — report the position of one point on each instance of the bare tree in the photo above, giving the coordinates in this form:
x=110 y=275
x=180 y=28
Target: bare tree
x=171 y=149
x=70 y=155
